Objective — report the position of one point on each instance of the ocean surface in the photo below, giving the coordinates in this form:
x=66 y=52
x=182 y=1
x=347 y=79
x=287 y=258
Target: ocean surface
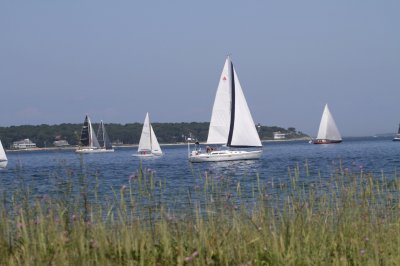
x=45 y=172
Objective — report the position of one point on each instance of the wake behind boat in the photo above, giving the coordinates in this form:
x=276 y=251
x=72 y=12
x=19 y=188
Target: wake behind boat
x=231 y=123
x=328 y=132
x=148 y=144
x=88 y=140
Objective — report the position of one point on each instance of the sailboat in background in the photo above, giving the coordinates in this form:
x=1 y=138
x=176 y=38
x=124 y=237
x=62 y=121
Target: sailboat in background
x=3 y=157
x=328 y=132
x=103 y=139
x=231 y=123
x=397 y=137
x=148 y=144
x=88 y=140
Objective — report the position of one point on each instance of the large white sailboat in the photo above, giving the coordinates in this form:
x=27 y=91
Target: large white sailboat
x=103 y=139
x=3 y=157
x=148 y=144
x=328 y=132
x=88 y=140
x=231 y=123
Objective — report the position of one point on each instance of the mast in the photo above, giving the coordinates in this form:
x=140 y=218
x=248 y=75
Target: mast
x=232 y=88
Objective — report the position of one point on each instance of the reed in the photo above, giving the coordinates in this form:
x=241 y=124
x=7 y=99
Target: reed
x=348 y=218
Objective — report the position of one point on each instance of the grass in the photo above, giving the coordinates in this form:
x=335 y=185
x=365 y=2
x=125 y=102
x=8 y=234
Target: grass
x=346 y=219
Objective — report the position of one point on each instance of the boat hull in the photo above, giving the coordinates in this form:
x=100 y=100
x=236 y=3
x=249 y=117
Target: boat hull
x=326 y=141
x=93 y=150
x=396 y=139
x=218 y=156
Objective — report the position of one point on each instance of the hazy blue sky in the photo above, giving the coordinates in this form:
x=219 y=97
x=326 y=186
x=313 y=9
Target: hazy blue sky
x=116 y=60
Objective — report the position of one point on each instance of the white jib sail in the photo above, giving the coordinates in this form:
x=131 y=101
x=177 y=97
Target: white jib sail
x=3 y=156
x=221 y=112
x=155 y=146
x=145 y=138
x=93 y=143
x=244 y=131
x=327 y=128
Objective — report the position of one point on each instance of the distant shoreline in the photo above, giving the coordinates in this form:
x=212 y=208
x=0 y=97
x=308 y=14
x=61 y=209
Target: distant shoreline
x=135 y=145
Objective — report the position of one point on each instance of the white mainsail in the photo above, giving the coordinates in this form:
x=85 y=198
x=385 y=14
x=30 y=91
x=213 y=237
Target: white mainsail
x=93 y=142
x=221 y=112
x=145 y=137
x=231 y=121
x=3 y=156
x=327 y=128
x=148 y=140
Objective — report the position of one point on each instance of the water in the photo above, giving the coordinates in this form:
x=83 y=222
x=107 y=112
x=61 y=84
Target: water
x=44 y=172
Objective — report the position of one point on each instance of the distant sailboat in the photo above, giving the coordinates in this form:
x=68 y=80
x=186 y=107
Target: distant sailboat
x=148 y=144
x=328 y=132
x=3 y=157
x=231 y=123
x=397 y=137
x=88 y=140
x=103 y=139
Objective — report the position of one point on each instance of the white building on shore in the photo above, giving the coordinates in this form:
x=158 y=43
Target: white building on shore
x=60 y=143
x=23 y=144
x=279 y=135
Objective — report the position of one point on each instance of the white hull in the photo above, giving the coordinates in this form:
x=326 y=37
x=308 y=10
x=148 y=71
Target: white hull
x=225 y=155
x=89 y=150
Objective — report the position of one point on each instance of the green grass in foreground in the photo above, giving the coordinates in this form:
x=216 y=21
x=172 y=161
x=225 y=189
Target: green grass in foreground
x=347 y=219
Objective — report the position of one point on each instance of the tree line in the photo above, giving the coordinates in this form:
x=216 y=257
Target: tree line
x=44 y=135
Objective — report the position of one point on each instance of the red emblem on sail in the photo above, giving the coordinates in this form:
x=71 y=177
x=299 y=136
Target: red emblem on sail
x=224 y=78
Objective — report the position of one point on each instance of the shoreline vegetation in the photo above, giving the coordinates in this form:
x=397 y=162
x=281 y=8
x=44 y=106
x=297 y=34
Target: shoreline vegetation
x=126 y=134
x=347 y=218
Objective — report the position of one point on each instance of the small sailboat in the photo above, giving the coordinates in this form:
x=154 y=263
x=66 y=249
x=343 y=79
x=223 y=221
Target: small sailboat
x=328 y=132
x=3 y=157
x=88 y=140
x=148 y=144
x=231 y=123
x=103 y=139
x=397 y=137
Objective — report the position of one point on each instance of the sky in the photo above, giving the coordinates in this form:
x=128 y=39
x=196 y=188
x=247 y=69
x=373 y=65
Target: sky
x=117 y=60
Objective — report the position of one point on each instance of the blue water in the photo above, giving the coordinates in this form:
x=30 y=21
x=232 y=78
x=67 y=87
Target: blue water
x=45 y=172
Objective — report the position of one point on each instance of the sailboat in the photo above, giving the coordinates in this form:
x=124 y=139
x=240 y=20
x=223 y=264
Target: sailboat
x=103 y=139
x=3 y=157
x=231 y=123
x=328 y=132
x=88 y=140
x=397 y=137
x=148 y=144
